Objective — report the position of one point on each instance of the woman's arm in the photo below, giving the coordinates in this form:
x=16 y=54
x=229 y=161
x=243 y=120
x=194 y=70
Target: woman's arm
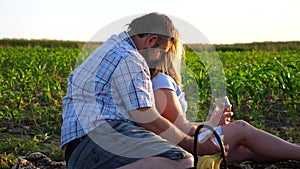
x=168 y=105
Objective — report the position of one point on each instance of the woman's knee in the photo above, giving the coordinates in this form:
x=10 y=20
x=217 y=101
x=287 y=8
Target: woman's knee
x=235 y=129
x=240 y=124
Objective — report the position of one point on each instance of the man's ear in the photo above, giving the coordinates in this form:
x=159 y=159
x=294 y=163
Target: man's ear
x=151 y=40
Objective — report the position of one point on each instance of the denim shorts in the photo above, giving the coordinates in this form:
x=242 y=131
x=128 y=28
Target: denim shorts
x=117 y=143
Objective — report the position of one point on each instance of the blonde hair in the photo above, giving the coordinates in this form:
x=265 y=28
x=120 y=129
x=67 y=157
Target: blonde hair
x=170 y=63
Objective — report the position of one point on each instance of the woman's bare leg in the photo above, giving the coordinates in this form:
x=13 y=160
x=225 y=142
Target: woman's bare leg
x=242 y=153
x=263 y=146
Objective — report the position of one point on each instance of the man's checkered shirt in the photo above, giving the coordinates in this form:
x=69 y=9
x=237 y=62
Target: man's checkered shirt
x=111 y=81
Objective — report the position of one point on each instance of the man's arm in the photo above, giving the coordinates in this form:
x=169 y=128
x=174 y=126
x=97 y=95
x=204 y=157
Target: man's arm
x=150 y=119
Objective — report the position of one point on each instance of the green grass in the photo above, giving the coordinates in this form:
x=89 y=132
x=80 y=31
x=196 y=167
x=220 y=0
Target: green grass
x=263 y=86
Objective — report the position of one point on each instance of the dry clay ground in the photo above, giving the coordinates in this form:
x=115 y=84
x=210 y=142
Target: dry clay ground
x=38 y=160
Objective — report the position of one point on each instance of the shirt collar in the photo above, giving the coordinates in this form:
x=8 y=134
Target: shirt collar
x=125 y=36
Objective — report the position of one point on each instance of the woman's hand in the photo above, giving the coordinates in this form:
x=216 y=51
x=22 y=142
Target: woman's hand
x=219 y=118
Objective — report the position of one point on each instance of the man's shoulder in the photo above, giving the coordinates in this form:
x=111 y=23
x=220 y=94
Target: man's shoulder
x=121 y=45
x=121 y=41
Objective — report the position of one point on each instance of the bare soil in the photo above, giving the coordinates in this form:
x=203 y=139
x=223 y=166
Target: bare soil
x=23 y=131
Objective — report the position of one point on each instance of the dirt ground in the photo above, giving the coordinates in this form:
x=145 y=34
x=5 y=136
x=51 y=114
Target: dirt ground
x=38 y=160
x=278 y=165
x=14 y=130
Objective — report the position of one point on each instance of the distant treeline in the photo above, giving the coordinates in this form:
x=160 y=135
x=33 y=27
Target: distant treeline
x=269 y=46
x=42 y=43
x=289 y=45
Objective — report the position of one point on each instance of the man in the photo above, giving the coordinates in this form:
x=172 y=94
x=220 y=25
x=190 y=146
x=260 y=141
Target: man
x=109 y=117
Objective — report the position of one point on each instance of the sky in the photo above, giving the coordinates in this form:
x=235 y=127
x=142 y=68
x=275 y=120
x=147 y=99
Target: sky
x=219 y=21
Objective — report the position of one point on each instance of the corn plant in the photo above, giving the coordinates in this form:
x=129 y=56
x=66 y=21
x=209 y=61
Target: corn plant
x=33 y=82
x=256 y=81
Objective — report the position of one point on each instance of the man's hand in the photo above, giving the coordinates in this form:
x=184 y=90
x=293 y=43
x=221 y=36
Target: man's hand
x=208 y=146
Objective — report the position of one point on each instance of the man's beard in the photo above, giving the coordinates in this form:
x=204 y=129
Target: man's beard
x=146 y=54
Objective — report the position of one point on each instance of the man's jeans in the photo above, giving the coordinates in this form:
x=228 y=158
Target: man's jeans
x=117 y=143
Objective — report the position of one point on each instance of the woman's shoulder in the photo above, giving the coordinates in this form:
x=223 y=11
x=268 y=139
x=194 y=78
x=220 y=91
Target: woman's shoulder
x=163 y=81
x=162 y=76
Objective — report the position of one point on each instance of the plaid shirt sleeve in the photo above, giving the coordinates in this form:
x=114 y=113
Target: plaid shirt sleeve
x=133 y=84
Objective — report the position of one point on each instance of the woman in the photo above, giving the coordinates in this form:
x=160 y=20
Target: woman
x=245 y=141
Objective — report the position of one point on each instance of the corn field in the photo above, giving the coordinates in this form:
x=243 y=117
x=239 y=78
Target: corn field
x=263 y=87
